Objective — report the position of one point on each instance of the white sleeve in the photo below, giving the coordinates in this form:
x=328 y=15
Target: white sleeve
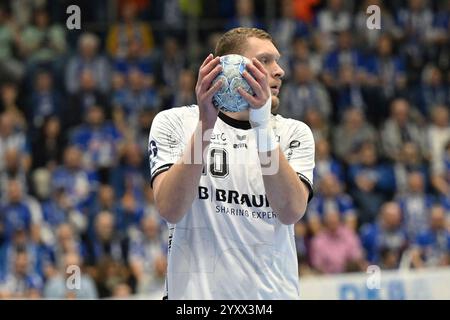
x=165 y=145
x=299 y=151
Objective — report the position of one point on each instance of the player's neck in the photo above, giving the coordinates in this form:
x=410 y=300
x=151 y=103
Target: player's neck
x=241 y=116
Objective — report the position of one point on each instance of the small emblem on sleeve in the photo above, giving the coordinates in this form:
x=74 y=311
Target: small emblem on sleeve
x=294 y=144
x=152 y=149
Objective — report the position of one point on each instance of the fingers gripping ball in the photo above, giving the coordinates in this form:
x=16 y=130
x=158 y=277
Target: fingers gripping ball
x=228 y=98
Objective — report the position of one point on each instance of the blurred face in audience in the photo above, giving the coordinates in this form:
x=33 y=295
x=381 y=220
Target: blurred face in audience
x=437 y=218
x=150 y=227
x=353 y=118
x=410 y=154
x=368 y=154
x=129 y=11
x=14 y=191
x=440 y=116
x=332 y=220
x=135 y=79
x=287 y=9
x=391 y=215
x=88 y=46
x=43 y=82
x=41 y=19
x=9 y=94
x=71 y=259
x=345 y=40
x=21 y=263
x=302 y=73
x=330 y=185
x=400 y=111
x=52 y=128
x=106 y=195
x=244 y=8
x=160 y=266
x=384 y=46
x=314 y=118
x=87 y=80
x=415 y=182
x=72 y=157
x=187 y=81
x=133 y=155
x=105 y=226
x=95 y=116
x=12 y=160
x=322 y=149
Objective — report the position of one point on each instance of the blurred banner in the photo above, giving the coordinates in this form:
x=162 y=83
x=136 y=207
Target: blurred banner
x=433 y=284
x=394 y=285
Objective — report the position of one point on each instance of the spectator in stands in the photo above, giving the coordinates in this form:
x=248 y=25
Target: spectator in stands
x=438 y=136
x=106 y=241
x=415 y=205
x=434 y=91
x=386 y=234
x=77 y=183
x=185 y=94
x=348 y=92
x=325 y=162
x=8 y=103
x=371 y=182
x=369 y=37
x=169 y=65
x=129 y=29
x=87 y=96
x=410 y=160
x=18 y=211
x=333 y=18
x=336 y=249
x=13 y=170
x=56 y=287
x=66 y=241
x=331 y=197
x=21 y=282
x=88 y=58
x=100 y=142
x=42 y=41
x=302 y=51
x=400 y=129
x=345 y=55
x=287 y=27
x=319 y=126
x=45 y=100
x=49 y=144
x=244 y=16
x=303 y=94
x=387 y=69
x=350 y=134
x=105 y=200
x=145 y=250
x=136 y=97
x=10 y=67
x=432 y=246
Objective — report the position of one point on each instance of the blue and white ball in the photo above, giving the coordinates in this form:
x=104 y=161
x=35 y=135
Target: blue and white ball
x=228 y=98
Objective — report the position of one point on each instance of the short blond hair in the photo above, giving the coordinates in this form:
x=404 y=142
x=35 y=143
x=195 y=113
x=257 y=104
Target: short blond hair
x=235 y=40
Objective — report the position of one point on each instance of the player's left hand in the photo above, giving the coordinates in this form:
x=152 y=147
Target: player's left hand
x=258 y=79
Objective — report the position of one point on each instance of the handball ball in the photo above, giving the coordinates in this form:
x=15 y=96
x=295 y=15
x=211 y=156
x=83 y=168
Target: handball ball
x=228 y=98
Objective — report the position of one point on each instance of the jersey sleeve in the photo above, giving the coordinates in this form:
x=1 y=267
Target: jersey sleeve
x=165 y=145
x=299 y=152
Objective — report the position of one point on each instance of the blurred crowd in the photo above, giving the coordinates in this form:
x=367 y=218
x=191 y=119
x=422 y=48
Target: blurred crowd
x=76 y=108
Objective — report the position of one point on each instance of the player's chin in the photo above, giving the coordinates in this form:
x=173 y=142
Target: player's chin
x=275 y=104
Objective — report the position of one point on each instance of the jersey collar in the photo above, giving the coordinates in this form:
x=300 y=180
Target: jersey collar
x=238 y=124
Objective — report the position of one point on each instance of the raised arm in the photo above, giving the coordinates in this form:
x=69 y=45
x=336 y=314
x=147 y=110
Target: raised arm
x=176 y=188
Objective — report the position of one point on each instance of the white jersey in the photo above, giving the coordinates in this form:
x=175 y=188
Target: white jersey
x=230 y=244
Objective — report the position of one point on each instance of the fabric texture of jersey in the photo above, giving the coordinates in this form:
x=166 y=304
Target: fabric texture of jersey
x=230 y=244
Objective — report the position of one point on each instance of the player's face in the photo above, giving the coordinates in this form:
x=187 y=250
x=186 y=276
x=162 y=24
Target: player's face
x=268 y=55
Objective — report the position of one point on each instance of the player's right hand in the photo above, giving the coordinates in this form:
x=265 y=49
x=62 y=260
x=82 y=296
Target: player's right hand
x=204 y=91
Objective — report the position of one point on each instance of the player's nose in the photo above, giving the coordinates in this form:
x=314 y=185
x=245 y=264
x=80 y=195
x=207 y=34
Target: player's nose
x=277 y=71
